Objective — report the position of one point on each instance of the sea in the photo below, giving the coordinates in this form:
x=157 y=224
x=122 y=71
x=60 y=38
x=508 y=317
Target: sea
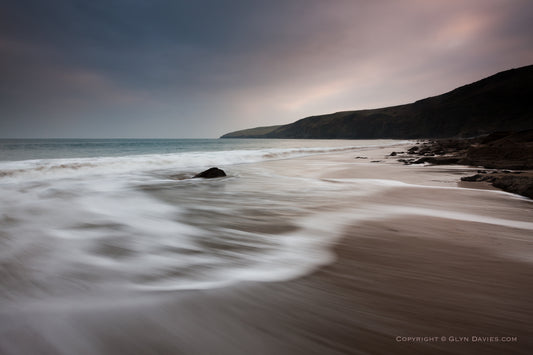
x=83 y=217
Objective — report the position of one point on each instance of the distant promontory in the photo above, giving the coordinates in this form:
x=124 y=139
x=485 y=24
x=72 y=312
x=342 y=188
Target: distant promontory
x=501 y=102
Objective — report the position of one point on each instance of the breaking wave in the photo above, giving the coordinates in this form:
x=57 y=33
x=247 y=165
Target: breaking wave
x=185 y=161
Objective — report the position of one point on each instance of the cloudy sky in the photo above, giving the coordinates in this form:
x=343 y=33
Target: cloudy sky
x=184 y=69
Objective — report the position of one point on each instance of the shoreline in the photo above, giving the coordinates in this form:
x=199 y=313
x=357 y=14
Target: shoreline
x=413 y=276
x=443 y=261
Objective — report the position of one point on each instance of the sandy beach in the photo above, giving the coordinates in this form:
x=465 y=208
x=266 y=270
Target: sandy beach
x=427 y=267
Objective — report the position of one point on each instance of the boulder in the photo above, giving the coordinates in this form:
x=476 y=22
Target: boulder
x=516 y=182
x=211 y=173
x=478 y=177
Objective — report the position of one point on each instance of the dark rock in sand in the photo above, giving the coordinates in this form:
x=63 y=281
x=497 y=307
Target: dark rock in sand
x=437 y=160
x=406 y=161
x=393 y=154
x=478 y=177
x=211 y=173
x=516 y=182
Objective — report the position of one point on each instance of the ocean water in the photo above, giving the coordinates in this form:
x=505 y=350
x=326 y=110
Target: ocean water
x=110 y=247
x=34 y=149
x=93 y=217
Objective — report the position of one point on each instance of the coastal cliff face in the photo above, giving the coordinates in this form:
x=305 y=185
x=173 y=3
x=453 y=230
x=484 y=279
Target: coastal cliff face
x=502 y=102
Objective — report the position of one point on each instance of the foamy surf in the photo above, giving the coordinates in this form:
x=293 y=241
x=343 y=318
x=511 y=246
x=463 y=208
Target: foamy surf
x=75 y=167
x=96 y=224
x=83 y=229
x=100 y=234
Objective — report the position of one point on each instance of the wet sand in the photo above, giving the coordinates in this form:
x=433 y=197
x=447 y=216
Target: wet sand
x=449 y=281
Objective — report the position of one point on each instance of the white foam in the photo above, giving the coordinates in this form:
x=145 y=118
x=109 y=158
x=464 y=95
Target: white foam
x=453 y=215
x=92 y=226
x=102 y=230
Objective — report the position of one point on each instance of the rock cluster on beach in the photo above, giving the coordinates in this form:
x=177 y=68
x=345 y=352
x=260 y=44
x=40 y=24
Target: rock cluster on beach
x=510 y=151
x=517 y=182
x=500 y=150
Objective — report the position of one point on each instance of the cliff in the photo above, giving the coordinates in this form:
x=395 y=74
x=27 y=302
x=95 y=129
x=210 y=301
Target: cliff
x=501 y=102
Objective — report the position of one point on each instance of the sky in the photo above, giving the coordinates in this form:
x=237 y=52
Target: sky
x=199 y=69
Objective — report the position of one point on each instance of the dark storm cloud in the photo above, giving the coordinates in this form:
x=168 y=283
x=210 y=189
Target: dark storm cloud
x=200 y=68
x=155 y=43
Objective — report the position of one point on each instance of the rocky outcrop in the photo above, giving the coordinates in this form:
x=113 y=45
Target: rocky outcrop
x=503 y=151
x=499 y=150
x=211 y=173
x=516 y=182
